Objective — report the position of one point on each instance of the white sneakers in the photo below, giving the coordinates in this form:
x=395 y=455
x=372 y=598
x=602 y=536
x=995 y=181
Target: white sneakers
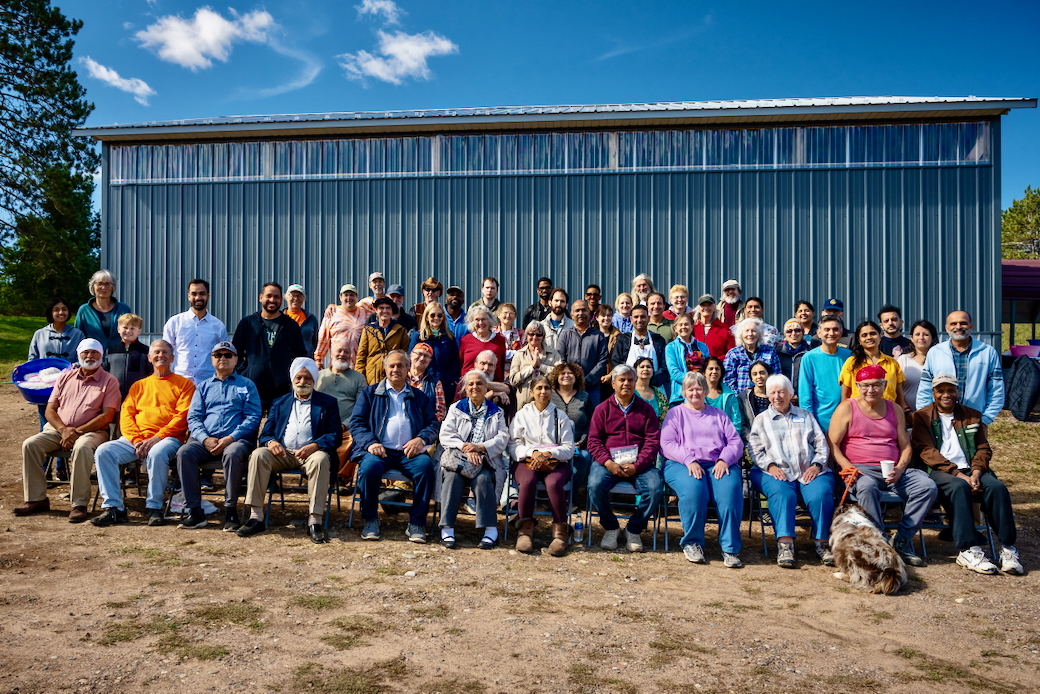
x=1009 y=563
x=975 y=559
x=694 y=553
x=632 y=541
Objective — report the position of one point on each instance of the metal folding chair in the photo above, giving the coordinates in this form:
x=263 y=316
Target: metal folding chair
x=626 y=489
x=278 y=480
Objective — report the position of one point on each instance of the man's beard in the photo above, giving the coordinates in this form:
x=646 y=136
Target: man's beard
x=341 y=365
x=303 y=391
x=959 y=334
x=731 y=299
x=89 y=364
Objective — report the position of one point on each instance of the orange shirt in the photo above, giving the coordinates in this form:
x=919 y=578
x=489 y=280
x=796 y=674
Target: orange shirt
x=298 y=316
x=157 y=406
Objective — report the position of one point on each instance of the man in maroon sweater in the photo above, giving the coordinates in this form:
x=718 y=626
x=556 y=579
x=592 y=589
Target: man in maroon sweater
x=624 y=421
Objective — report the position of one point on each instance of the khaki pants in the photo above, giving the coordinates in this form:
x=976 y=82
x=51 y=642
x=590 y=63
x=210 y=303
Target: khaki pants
x=35 y=450
x=262 y=462
x=346 y=465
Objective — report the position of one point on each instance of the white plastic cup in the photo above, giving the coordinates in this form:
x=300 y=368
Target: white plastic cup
x=887 y=467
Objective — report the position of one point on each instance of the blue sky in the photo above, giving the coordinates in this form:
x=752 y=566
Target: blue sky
x=155 y=60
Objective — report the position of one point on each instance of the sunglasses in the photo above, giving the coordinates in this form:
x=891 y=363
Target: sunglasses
x=223 y=355
x=593 y=295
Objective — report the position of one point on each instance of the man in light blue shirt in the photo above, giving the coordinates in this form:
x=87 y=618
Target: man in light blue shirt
x=818 y=389
x=193 y=333
x=223 y=421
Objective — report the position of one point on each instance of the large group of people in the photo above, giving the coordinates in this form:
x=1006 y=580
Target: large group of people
x=653 y=397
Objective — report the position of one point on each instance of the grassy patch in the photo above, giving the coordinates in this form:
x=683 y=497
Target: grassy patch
x=226 y=613
x=117 y=605
x=878 y=617
x=454 y=686
x=119 y=632
x=583 y=677
x=990 y=634
x=353 y=630
x=935 y=670
x=389 y=571
x=669 y=647
x=15 y=335
x=376 y=679
x=429 y=611
x=317 y=602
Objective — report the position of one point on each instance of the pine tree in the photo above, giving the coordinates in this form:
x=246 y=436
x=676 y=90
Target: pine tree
x=47 y=231
x=1020 y=226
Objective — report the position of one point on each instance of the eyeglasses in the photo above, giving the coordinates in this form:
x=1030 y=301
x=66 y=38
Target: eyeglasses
x=223 y=355
x=871 y=386
x=103 y=284
x=793 y=330
x=593 y=295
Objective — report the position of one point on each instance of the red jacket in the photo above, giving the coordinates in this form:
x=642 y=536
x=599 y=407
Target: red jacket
x=718 y=337
x=612 y=428
x=470 y=346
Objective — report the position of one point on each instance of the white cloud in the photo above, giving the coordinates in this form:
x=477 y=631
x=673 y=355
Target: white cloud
x=131 y=85
x=400 y=56
x=387 y=8
x=195 y=43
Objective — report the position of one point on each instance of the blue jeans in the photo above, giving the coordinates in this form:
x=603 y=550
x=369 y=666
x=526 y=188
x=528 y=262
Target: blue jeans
x=581 y=463
x=648 y=488
x=694 y=494
x=915 y=487
x=594 y=394
x=112 y=454
x=418 y=469
x=818 y=497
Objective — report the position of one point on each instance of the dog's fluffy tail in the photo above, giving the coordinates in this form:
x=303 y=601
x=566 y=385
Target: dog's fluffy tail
x=889 y=582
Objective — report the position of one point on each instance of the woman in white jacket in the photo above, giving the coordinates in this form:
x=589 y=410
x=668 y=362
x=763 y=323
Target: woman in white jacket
x=541 y=442
x=474 y=436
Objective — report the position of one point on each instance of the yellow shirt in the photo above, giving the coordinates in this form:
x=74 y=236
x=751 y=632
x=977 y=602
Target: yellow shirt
x=157 y=407
x=893 y=376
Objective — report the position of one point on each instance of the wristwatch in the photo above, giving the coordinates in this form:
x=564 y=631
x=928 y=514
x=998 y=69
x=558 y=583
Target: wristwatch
x=819 y=465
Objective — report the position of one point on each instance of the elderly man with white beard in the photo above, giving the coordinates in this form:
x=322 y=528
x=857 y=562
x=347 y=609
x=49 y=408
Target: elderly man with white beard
x=81 y=405
x=302 y=432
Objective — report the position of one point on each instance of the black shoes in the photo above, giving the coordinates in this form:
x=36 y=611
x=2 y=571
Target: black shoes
x=252 y=527
x=194 y=519
x=110 y=516
x=155 y=517
x=317 y=534
x=231 y=521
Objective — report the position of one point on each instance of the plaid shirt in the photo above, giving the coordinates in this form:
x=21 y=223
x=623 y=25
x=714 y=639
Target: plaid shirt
x=433 y=390
x=960 y=364
x=738 y=365
x=791 y=441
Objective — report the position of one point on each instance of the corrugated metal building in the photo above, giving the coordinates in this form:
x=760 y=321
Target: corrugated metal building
x=870 y=199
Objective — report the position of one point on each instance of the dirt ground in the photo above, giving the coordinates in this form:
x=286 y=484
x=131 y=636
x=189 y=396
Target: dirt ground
x=134 y=608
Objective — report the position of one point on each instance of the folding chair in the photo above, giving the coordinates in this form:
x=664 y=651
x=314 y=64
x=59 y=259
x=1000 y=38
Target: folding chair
x=543 y=499
x=759 y=509
x=278 y=478
x=391 y=476
x=50 y=464
x=135 y=466
x=627 y=489
x=981 y=524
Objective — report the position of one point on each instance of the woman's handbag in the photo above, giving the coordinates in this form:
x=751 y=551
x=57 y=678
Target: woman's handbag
x=455 y=460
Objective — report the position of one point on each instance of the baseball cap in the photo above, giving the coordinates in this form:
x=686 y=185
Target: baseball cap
x=944 y=378
x=220 y=346
x=385 y=301
x=376 y=276
x=396 y=289
x=835 y=304
x=456 y=288
x=348 y=288
x=295 y=288
x=706 y=299
x=730 y=283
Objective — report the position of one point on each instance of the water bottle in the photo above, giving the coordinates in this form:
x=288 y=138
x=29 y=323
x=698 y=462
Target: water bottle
x=579 y=528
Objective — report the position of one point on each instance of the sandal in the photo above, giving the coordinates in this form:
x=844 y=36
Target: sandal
x=448 y=542
x=487 y=543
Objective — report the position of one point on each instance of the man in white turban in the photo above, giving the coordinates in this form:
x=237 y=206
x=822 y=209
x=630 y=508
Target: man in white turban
x=82 y=403
x=302 y=432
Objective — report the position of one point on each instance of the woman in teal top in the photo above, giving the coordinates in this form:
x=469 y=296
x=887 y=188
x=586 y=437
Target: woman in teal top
x=656 y=397
x=720 y=396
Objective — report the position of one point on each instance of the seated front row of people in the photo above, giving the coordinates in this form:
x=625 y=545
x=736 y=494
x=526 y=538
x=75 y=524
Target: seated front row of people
x=394 y=426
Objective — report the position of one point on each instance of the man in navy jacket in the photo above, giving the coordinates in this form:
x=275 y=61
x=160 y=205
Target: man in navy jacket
x=302 y=431
x=393 y=423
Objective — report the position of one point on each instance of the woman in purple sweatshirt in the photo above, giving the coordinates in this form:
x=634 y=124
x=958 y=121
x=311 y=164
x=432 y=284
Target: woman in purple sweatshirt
x=703 y=452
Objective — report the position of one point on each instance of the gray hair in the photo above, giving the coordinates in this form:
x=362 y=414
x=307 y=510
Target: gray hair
x=160 y=341
x=479 y=375
x=782 y=381
x=97 y=277
x=534 y=326
x=407 y=359
x=739 y=328
x=486 y=353
x=478 y=311
x=621 y=370
x=697 y=377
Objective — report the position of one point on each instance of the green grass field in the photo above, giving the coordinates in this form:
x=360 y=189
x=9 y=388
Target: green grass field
x=1023 y=331
x=15 y=334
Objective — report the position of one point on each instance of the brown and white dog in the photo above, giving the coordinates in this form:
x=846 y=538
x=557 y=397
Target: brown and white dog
x=862 y=555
